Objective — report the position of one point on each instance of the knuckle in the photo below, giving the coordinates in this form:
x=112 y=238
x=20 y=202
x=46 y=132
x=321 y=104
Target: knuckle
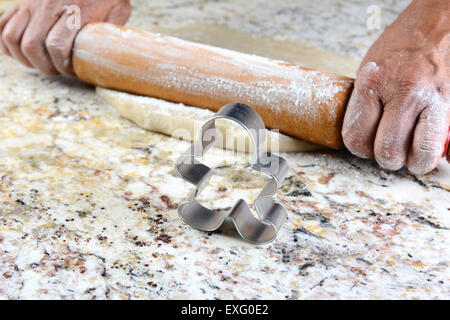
x=356 y=145
x=430 y=146
x=30 y=46
x=33 y=49
x=412 y=81
x=401 y=91
x=54 y=46
x=368 y=82
x=413 y=74
x=373 y=80
x=368 y=77
x=419 y=167
x=424 y=160
x=60 y=54
x=10 y=37
x=389 y=157
x=406 y=87
x=409 y=84
x=351 y=140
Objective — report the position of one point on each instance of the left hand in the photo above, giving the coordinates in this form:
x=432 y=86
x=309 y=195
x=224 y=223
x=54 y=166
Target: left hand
x=37 y=32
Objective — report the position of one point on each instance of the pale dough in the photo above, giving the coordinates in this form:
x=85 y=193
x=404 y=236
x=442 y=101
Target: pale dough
x=184 y=121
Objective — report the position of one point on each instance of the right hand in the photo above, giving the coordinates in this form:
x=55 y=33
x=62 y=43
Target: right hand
x=399 y=111
x=37 y=33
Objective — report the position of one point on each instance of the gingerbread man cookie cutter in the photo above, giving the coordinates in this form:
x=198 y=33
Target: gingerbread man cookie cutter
x=259 y=228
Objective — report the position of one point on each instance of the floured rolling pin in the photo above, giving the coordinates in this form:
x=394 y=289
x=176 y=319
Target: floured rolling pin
x=298 y=101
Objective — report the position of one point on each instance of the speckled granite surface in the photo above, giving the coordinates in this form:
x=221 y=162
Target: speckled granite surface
x=88 y=200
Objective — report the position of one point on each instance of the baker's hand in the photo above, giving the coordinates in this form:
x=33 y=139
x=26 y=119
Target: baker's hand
x=38 y=33
x=399 y=111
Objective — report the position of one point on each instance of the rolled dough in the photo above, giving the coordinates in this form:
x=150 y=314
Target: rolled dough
x=185 y=121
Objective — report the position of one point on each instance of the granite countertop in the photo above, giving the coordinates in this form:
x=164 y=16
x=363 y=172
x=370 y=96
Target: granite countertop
x=88 y=200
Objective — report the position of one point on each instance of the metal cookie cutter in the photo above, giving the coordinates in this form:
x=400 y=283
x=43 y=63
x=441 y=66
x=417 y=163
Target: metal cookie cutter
x=260 y=228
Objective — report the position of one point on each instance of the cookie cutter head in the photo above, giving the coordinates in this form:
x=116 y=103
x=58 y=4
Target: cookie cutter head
x=261 y=228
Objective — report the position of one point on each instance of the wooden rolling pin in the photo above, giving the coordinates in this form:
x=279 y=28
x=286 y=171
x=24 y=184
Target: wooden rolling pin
x=298 y=101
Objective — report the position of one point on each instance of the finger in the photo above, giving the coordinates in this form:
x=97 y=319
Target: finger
x=12 y=35
x=430 y=135
x=362 y=116
x=119 y=13
x=394 y=133
x=59 y=45
x=3 y=21
x=33 y=42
